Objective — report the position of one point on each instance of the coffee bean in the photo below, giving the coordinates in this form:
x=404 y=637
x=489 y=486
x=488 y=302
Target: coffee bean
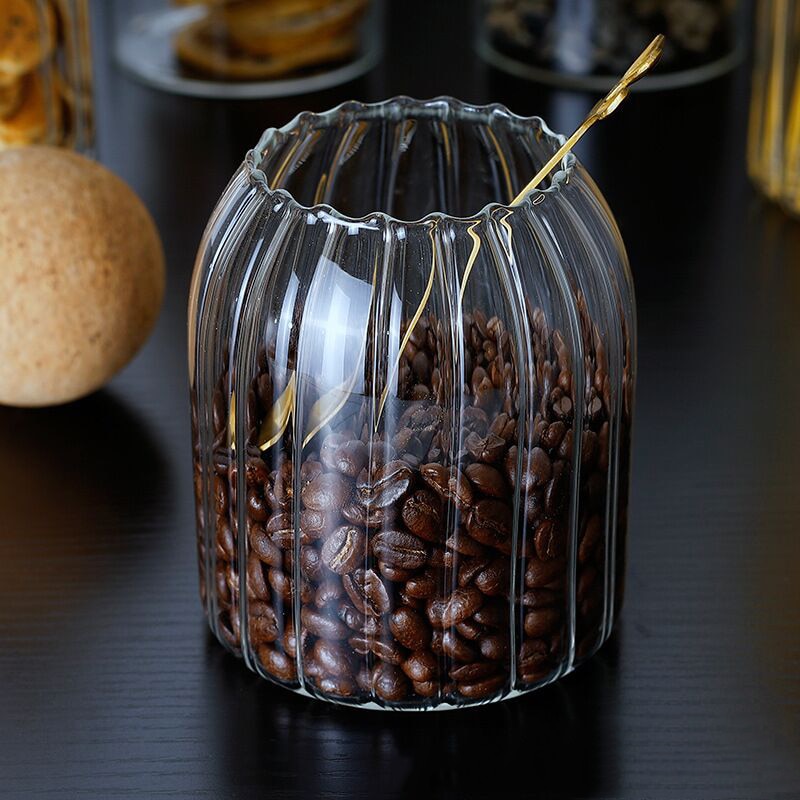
x=344 y=549
x=541 y=621
x=389 y=683
x=492 y=614
x=470 y=630
x=422 y=586
x=280 y=584
x=262 y=624
x=322 y=624
x=316 y=524
x=264 y=547
x=591 y=536
x=482 y=689
x=387 y=651
x=339 y=685
x=367 y=517
x=455 y=647
x=557 y=492
x=461 y=605
x=331 y=657
x=468 y=568
x=394 y=574
x=327 y=492
x=487 y=480
x=327 y=592
x=277 y=663
x=422 y=515
x=410 y=629
x=403 y=550
x=280 y=529
x=539 y=598
x=449 y=484
x=421 y=666
x=387 y=487
x=489 y=522
x=256 y=584
x=494 y=579
x=343 y=453
x=465 y=545
x=550 y=541
x=539 y=574
x=472 y=673
x=311 y=563
x=367 y=592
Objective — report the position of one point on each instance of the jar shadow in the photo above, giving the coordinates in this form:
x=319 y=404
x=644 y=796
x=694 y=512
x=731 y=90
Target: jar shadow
x=58 y=464
x=560 y=741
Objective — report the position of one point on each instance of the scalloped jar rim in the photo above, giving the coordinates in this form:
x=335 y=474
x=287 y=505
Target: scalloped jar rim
x=444 y=107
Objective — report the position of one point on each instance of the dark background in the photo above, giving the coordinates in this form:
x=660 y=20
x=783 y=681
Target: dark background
x=110 y=685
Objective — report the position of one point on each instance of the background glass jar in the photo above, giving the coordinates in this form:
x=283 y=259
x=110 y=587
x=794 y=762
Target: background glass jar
x=249 y=48
x=45 y=74
x=589 y=43
x=411 y=439
x=773 y=154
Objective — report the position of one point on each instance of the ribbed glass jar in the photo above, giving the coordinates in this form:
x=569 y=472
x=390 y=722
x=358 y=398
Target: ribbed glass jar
x=411 y=438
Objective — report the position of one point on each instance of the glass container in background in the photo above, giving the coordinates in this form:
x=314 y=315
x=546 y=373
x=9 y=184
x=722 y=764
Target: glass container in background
x=45 y=74
x=249 y=48
x=773 y=153
x=587 y=44
x=411 y=407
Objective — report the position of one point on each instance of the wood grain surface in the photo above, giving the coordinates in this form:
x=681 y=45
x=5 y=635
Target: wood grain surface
x=111 y=686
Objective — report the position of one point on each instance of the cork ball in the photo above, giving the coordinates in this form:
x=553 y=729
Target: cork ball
x=81 y=276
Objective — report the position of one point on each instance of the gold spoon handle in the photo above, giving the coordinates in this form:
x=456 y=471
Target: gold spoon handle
x=602 y=109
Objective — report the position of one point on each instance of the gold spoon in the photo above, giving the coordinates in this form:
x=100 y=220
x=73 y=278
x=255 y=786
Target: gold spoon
x=603 y=109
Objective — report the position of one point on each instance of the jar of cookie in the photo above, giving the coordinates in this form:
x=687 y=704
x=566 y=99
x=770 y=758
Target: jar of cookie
x=585 y=44
x=45 y=74
x=247 y=48
x=411 y=402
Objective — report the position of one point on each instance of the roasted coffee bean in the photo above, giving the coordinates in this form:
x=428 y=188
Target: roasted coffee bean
x=534 y=658
x=487 y=480
x=280 y=584
x=316 y=524
x=339 y=685
x=309 y=470
x=262 y=624
x=557 y=492
x=354 y=620
x=468 y=568
x=591 y=536
x=456 y=647
x=492 y=614
x=565 y=449
x=553 y=434
x=421 y=666
x=327 y=492
x=470 y=630
x=539 y=598
x=540 y=574
x=461 y=605
x=434 y=609
x=311 y=563
x=494 y=579
x=422 y=515
x=257 y=507
x=403 y=550
x=389 y=683
x=541 y=621
x=256 y=583
x=277 y=663
x=226 y=547
x=329 y=591
x=280 y=530
x=322 y=624
x=367 y=592
x=264 y=547
x=343 y=453
x=388 y=486
x=387 y=651
x=482 y=689
x=471 y=673
x=410 y=629
x=367 y=517
x=550 y=540
x=489 y=522
x=449 y=484
x=487 y=449
x=331 y=657
x=425 y=688
x=394 y=574
x=344 y=549
x=422 y=586
x=465 y=545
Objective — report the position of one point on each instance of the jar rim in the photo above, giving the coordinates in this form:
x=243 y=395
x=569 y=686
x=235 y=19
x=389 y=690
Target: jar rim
x=399 y=108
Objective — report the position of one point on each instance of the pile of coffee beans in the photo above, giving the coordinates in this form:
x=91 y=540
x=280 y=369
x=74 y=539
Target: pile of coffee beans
x=438 y=556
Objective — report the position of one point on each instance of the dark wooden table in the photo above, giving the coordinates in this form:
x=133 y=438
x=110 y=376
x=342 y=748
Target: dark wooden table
x=111 y=685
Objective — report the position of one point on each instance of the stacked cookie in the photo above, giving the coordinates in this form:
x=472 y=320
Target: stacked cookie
x=38 y=93
x=265 y=39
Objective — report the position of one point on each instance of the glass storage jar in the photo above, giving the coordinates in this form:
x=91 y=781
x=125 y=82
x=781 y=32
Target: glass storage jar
x=587 y=44
x=247 y=48
x=45 y=74
x=411 y=407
